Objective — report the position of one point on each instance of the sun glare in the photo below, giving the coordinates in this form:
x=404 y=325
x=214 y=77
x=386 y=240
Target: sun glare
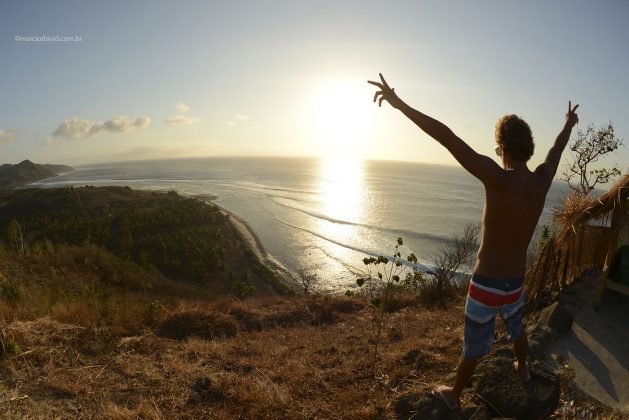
x=342 y=189
x=339 y=117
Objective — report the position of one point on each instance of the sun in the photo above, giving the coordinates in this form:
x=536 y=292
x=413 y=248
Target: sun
x=339 y=116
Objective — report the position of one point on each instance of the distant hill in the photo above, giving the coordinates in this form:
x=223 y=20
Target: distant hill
x=25 y=172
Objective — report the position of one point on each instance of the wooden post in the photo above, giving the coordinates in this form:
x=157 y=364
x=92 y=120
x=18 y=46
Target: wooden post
x=580 y=244
x=574 y=263
x=564 y=272
x=611 y=254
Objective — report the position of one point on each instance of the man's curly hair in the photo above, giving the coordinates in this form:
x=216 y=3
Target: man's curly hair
x=513 y=134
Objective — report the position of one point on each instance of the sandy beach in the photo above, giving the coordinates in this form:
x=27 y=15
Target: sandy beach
x=251 y=240
x=248 y=235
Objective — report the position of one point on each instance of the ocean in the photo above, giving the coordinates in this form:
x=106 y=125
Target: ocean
x=320 y=217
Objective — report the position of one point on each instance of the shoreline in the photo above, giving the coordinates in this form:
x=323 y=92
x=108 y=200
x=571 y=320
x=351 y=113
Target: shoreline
x=246 y=234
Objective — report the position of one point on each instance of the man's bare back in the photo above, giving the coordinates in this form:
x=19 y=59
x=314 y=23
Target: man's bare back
x=512 y=210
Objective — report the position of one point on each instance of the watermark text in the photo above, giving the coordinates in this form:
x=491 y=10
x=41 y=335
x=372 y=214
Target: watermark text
x=48 y=38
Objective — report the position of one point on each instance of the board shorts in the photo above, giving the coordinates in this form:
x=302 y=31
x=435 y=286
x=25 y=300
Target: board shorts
x=485 y=298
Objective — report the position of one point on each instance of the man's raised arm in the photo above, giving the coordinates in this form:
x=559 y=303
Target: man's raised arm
x=548 y=168
x=482 y=167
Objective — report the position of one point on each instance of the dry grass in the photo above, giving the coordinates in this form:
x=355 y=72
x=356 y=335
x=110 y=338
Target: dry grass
x=290 y=369
x=296 y=363
x=200 y=324
x=572 y=209
x=75 y=346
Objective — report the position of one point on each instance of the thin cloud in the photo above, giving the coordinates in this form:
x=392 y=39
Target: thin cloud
x=238 y=119
x=179 y=118
x=75 y=128
x=181 y=107
x=7 y=136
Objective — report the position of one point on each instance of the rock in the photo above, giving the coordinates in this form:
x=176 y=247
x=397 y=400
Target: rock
x=72 y=407
x=202 y=383
x=497 y=384
x=540 y=336
x=204 y=392
x=421 y=406
x=500 y=392
x=557 y=317
x=475 y=412
x=88 y=350
x=428 y=407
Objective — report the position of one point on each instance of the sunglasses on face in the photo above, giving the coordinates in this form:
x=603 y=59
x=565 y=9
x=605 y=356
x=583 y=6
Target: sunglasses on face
x=498 y=150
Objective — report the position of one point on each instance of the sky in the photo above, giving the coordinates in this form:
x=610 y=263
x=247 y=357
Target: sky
x=163 y=79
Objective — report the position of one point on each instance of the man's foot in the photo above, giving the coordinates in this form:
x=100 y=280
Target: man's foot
x=522 y=371
x=445 y=394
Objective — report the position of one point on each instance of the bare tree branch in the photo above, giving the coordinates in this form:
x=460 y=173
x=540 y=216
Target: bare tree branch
x=586 y=149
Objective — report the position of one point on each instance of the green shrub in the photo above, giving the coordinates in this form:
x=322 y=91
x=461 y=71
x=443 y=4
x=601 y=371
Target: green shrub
x=9 y=293
x=8 y=347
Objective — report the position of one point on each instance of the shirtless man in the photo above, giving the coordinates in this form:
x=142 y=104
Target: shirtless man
x=514 y=199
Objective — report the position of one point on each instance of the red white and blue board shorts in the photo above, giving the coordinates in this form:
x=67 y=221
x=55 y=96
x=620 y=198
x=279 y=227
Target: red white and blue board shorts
x=485 y=298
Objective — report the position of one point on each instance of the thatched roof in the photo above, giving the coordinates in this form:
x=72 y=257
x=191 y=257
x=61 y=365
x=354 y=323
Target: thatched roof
x=606 y=202
x=579 y=209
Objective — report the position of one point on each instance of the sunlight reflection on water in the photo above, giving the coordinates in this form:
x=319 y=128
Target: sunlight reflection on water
x=342 y=192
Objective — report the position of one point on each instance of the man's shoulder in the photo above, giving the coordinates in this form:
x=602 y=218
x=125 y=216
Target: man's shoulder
x=510 y=180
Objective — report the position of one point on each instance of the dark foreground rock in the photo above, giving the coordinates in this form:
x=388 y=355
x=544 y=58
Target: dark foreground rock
x=499 y=394
x=426 y=406
x=504 y=394
x=558 y=316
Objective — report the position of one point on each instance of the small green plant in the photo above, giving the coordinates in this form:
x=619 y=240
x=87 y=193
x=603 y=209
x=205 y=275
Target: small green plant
x=15 y=237
x=388 y=277
x=543 y=234
x=244 y=288
x=378 y=286
x=8 y=347
x=154 y=310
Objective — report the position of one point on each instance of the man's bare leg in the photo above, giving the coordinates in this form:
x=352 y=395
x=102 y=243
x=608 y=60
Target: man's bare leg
x=521 y=350
x=463 y=373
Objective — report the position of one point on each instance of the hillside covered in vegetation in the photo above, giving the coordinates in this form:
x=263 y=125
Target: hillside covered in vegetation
x=180 y=239
x=25 y=172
